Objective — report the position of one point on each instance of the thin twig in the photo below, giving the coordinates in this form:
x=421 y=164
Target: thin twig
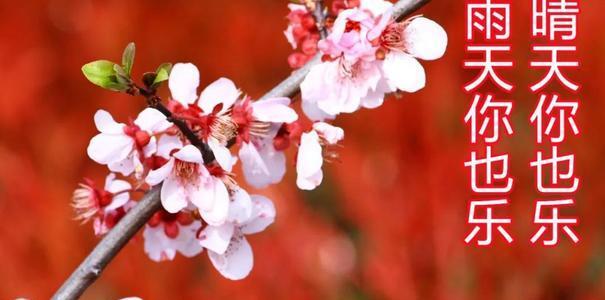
x=90 y=269
x=320 y=18
x=154 y=101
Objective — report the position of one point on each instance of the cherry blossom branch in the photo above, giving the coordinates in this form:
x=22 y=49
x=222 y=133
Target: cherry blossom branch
x=92 y=266
x=320 y=18
x=90 y=269
x=154 y=101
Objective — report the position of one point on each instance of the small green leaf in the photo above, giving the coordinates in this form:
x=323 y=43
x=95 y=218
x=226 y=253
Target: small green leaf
x=162 y=73
x=103 y=73
x=128 y=58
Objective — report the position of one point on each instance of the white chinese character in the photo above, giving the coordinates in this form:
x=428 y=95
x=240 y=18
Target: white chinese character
x=560 y=113
x=488 y=221
x=554 y=221
x=554 y=64
x=491 y=19
x=491 y=177
x=494 y=113
x=487 y=66
x=552 y=17
x=554 y=186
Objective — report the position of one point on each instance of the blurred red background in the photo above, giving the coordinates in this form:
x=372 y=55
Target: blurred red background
x=388 y=222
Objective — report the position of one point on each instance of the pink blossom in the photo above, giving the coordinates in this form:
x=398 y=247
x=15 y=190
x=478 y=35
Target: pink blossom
x=215 y=103
x=228 y=249
x=370 y=55
x=123 y=147
x=258 y=123
x=104 y=206
x=187 y=181
x=166 y=234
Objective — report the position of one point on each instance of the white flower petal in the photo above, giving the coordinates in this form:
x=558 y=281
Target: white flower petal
x=404 y=72
x=124 y=167
x=173 y=194
x=331 y=134
x=236 y=263
x=221 y=91
x=158 y=175
x=240 y=210
x=263 y=215
x=275 y=110
x=310 y=182
x=106 y=124
x=217 y=238
x=167 y=143
x=425 y=39
x=187 y=243
x=262 y=166
x=221 y=154
x=151 y=148
x=190 y=154
x=156 y=244
x=152 y=121
x=183 y=82
x=376 y=7
x=309 y=158
x=214 y=204
x=107 y=148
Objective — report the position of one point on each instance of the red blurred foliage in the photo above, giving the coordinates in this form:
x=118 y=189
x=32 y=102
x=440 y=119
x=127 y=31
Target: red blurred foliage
x=388 y=222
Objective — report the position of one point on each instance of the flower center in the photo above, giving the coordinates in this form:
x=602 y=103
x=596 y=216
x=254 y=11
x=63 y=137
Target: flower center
x=88 y=201
x=392 y=37
x=352 y=26
x=140 y=137
x=186 y=171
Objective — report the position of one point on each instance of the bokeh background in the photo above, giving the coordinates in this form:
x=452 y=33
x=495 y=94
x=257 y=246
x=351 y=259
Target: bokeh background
x=388 y=222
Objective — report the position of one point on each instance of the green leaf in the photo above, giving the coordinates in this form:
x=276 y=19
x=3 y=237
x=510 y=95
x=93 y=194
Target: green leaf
x=162 y=73
x=103 y=73
x=128 y=58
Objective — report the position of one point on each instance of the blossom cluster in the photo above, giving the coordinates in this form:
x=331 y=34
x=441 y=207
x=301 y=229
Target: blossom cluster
x=367 y=54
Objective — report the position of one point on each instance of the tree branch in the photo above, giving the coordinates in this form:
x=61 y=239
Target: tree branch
x=320 y=18
x=154 y=101
x=90 y=269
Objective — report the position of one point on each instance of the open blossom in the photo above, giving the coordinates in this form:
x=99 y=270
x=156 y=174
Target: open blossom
x=123 y=147
x=104 y=206
x=228 y=249
x=258 y=123
x=211 y=114
x=369 y=55
x=166 y=234
x=311 y=153
x=186 y=180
